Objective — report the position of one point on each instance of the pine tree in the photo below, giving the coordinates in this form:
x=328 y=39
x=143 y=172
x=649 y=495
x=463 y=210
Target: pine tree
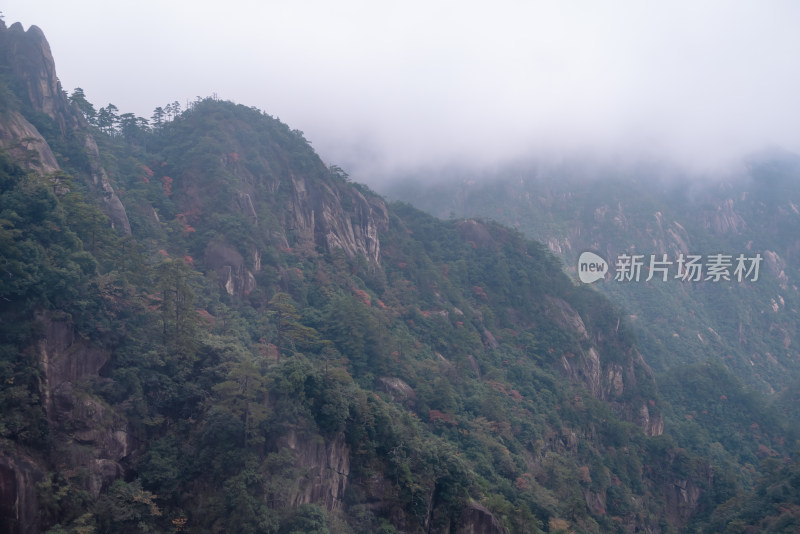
x=289 y=332
x=158 y=117
x=78 y=98
x=244 y=395
x=178 y=315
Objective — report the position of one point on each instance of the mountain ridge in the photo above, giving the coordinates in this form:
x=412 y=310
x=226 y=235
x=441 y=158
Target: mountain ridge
x=267 y=347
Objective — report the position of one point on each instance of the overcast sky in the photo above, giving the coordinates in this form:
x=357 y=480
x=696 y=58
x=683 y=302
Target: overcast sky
x=376 y=84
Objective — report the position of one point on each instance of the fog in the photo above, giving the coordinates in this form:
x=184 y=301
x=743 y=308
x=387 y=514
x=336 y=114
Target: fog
x=381 y=87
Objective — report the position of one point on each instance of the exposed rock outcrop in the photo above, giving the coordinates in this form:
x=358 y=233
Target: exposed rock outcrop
x=65 y=357
x=318 y=218
x=28 y=57
x=26 y=145
x=19 y=504
x=325 y=466
x=476 y=519
x=399 y=391
x=565 y=315
x=725 y=220
x=682 y=499
x=476 y=233
x=114 y=208
x=94 y=436
x=31 y=62
x=233 y=275
x=776 y=265
x=608 y=381
x=91 y=436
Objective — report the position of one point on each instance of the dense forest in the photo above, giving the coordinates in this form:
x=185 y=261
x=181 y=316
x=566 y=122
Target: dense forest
x=204 y=328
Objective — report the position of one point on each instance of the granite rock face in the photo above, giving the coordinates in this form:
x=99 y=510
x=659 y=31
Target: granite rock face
x=476 y=519
x=605 y=379
x=316 y=212
x=30 y=61
x=94 y=436
x=26 y=145
x=19 y=504
x=324 y=466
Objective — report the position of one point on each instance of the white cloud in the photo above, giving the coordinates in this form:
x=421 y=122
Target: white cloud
x=418 y=82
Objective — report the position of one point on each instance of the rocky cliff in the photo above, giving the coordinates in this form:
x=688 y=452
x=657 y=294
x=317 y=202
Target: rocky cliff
x=324 y=466
x=26 y=145
x=476 y=519
x=320 y=220
x=89 y=437
x=27 y=56
x=608 y=380
x=94 y=436
x=284 y=196
x=19 y=503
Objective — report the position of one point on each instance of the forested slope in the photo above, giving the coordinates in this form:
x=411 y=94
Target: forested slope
x=207 y=329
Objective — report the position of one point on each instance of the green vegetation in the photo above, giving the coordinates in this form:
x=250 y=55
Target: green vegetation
x=724 y=354
x=249 y=364
x=215 y=386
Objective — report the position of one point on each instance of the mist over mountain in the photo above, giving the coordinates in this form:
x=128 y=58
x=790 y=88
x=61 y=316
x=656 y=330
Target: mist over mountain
x=206 y=328
x=653 y=209
x=699 y=86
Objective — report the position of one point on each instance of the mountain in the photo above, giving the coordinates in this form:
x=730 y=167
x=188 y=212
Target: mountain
x=207 y=329
x=656 y=210
x=703 y=338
